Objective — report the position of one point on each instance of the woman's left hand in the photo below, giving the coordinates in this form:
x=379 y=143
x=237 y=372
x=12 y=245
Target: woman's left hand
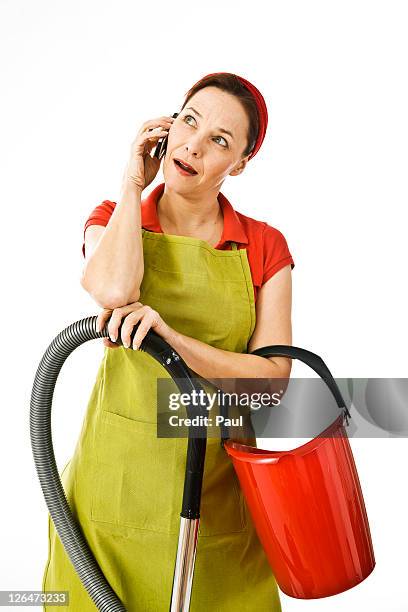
x=133 y=313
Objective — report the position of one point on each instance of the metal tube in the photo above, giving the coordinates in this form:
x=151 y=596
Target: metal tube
x=184 y=568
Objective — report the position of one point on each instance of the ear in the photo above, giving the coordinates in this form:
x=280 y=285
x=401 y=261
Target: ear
x=239 y=167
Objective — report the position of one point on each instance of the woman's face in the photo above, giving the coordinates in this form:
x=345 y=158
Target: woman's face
x=209 y=134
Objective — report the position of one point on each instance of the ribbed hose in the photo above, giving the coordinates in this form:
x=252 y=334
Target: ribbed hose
x=41 y=441
x=67 y=528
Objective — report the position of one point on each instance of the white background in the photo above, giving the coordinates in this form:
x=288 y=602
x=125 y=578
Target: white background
x=78 y=79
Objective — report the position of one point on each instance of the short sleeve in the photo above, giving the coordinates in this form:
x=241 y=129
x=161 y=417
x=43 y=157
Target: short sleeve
x=99 y=216
x=276 y=254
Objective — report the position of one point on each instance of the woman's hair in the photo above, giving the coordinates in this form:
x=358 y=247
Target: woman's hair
x=231 y=84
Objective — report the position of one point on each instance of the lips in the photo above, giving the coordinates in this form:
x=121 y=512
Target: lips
x=185 y=166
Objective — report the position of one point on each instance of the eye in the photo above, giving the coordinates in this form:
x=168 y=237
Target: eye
x=222 y=138
x=186 y=117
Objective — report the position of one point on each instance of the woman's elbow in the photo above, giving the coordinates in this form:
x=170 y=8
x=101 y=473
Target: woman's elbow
x=105 y=299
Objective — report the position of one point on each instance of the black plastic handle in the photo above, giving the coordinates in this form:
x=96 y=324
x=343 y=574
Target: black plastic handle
x=315 y=362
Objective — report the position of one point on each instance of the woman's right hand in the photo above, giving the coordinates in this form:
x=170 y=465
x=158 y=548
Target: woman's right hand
x=142 y=167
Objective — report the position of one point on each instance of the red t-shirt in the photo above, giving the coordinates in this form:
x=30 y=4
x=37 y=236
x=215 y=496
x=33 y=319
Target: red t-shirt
x=266 y=246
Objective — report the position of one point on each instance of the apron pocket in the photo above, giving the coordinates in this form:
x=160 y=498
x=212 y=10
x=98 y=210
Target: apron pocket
x=136 y=484
x=140 y=479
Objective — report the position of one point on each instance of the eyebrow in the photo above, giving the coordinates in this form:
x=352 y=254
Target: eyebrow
x=219 y=129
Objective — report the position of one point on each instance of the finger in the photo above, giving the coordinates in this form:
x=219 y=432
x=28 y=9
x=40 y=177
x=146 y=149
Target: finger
x=115 y=321
x=128 y=324
x=148 y=321
x=148 y=152
x=154 y=134
x=110 y=344
x=149 y=146
x=101 y=319
x=163 y=121
x=157 y=121
x=144 y=326
x=117 y=316
x=166 y=125
x=147 y=138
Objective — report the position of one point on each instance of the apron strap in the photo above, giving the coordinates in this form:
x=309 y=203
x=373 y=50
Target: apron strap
x=233 y=246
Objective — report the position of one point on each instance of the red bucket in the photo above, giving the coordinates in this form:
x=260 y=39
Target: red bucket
x=307 y=505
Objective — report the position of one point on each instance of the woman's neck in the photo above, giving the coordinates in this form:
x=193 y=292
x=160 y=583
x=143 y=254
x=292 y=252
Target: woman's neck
x=201 y=218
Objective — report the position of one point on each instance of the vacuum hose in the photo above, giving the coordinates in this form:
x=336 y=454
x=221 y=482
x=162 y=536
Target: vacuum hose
x=67 y=527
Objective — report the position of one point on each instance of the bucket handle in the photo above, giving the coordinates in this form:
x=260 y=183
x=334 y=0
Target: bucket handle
x=315 y=362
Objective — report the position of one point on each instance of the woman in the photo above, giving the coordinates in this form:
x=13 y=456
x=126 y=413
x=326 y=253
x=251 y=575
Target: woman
x=184 y=263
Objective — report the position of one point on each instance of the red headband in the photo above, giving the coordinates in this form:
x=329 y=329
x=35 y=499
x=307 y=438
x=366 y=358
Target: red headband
x=260 y=105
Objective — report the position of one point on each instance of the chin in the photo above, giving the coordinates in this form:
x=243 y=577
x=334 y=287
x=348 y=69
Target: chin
x=175 y=182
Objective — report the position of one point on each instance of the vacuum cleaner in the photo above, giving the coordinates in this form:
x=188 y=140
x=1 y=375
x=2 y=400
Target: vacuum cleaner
x=315 y=486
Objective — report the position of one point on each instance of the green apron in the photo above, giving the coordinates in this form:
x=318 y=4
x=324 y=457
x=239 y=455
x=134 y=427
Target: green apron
x=125 y=485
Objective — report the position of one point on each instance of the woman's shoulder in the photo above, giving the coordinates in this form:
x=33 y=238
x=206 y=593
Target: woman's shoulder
x=268 y=249
x=260 y=232
x=101 y=214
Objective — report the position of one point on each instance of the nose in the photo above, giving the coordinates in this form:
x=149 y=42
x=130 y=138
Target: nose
x=194 y=146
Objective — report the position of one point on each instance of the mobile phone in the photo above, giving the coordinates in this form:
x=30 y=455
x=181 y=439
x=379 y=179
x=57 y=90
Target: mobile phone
x=161 y=147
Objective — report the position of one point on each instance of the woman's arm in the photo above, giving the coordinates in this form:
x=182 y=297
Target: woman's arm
x=273 y=326
x=114 y=268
